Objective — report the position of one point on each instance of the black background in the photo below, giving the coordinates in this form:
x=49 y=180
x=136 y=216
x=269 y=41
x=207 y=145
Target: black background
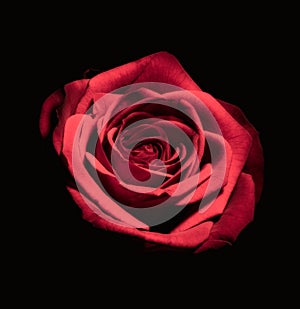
x=233 y=56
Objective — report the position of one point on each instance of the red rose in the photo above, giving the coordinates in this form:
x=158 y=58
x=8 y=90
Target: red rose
x=153 y=156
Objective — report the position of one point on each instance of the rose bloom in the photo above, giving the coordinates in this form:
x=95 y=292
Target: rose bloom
x=152 y=156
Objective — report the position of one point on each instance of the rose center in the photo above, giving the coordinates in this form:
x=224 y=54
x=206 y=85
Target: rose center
x=144 y=153
x=145 y=158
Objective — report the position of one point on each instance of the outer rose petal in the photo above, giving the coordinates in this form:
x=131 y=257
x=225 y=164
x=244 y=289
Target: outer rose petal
x=238 y=214
x=50 y=104
x=64 y=102
x=187 y=239
x=73 y=93
x=255 y=161
x=160 y=67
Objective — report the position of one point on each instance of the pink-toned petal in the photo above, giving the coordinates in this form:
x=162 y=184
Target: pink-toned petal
x=99 y=167
x=77 y=130
x=187 y=239
x=212 y=182
x=73 y=139
x=197 y=183
x=94 y=213
x=126 y=193
x=73 y=93
x=237 y=215
x=239 y=143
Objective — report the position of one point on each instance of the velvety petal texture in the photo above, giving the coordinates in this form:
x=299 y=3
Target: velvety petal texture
x=153 y=156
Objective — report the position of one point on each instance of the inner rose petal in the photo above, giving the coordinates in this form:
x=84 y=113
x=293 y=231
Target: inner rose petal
x=145 y=109
x=154 y=128
x=176 y=162
x=168 y=159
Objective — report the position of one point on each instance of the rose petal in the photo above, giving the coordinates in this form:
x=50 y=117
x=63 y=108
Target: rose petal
x=92 y=212
x=165 y=68
x=240 y=143
x=238 y=138
x=160 y=67
x=73 y=93
x=237 y=215
x=72 y=136
x=50 y=104
x=186 y=239
x=213 y=177
x=74 y=146
x=255 y=161
x=235 y=201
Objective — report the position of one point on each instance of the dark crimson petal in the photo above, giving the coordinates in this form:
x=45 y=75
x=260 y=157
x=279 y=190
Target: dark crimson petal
x=87 y=101
x=160 y=67
x=255 y=162
x=50 y=105
x=238 y=138
x=237 y=215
